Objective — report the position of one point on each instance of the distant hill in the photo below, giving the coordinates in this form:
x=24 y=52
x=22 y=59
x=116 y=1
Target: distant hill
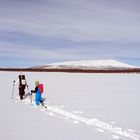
x=108 y=64
x=85 y=66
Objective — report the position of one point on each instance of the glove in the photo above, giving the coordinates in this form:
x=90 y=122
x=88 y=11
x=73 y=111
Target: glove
x=32 y=91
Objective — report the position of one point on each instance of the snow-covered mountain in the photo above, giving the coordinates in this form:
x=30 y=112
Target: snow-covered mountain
x=108 y=64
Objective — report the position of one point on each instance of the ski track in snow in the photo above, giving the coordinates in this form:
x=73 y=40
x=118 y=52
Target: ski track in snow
x=102 y=127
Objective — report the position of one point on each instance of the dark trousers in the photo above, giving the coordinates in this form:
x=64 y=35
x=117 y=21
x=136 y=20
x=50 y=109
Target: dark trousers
x=21 y=91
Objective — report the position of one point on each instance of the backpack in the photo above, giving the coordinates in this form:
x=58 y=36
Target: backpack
x=40 y=86
x=22 y=80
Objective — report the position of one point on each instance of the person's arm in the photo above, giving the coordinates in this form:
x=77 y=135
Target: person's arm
x=16 y=81
x=34 y=91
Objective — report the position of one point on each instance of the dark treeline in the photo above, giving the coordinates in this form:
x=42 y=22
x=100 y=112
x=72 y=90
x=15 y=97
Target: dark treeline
x=131 y=70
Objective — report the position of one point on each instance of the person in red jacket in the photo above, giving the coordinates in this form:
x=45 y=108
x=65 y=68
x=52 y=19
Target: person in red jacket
x=38 y=90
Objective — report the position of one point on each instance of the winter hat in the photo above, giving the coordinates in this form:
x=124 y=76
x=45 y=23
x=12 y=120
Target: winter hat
x=36 y=83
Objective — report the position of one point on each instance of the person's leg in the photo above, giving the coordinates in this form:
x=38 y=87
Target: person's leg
x=37 y=99
x=41 y=100
x=21 y=92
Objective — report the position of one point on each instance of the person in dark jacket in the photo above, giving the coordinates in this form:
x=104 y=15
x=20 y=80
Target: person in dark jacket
x=22 y=84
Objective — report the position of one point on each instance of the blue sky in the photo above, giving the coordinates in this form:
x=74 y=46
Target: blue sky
x=39 y=32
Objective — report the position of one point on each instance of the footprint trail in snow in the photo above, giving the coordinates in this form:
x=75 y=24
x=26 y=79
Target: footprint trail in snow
x=103 y=127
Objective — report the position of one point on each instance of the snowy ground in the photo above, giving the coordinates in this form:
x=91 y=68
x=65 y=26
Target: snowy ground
x=80 y=107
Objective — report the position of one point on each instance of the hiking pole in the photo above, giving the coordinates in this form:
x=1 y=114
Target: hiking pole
x=31 y=97
x=30 y=93
x=28 y=89
x=13 y=90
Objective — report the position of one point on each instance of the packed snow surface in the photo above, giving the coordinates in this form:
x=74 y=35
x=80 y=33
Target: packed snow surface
x=80 y=106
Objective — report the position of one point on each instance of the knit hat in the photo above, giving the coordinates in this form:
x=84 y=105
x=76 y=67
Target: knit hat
x=36 y=83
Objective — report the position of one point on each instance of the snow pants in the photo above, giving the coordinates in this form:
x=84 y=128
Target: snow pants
x=38 y=98
x=21 y=91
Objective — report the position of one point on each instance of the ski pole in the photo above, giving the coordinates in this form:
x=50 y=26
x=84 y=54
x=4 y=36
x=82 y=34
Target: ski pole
x=31 y=97
x=13 y=90
x=30 y=93
x=28 y=89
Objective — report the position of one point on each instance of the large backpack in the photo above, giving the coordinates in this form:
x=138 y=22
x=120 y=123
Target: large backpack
x=40 y=86
x=22 y=80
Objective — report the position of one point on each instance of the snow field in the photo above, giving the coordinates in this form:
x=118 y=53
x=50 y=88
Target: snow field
x=103 y=106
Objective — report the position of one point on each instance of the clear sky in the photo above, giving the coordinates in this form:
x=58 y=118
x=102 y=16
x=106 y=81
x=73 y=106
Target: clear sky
x=39 y=32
